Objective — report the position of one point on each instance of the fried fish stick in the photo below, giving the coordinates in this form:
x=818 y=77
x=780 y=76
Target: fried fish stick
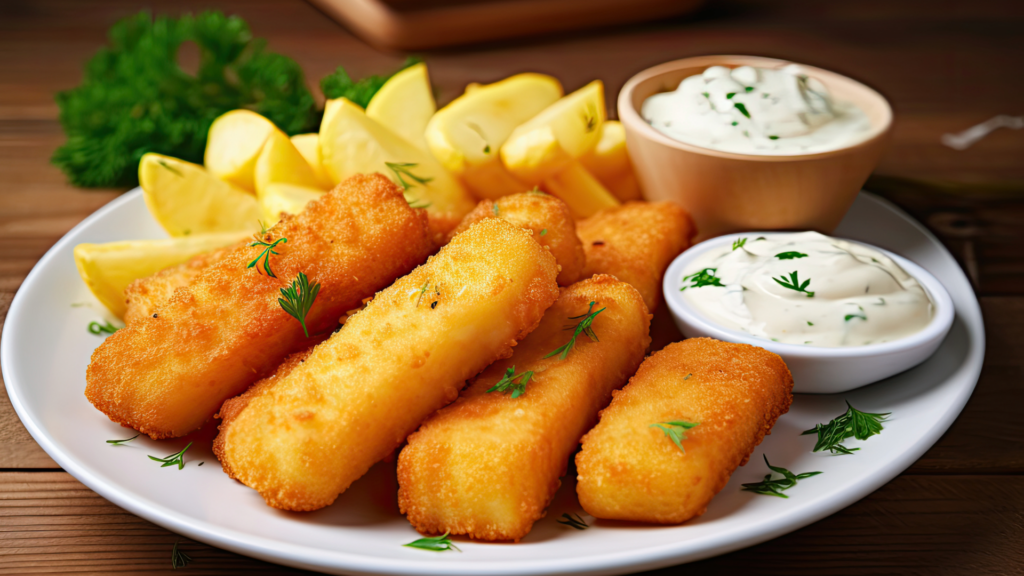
x=546 y=216
x=302 y=438
x=635 y=243
x=489 y=464
x=167 y=373
x=630 y=469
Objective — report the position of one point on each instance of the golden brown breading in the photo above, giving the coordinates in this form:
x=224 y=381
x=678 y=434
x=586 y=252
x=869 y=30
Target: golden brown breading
x=145 y=295
x=301 y=439
x=489 y=464
x=549 y=219
x=635 y=243
x=629 y=470
x=167 y=373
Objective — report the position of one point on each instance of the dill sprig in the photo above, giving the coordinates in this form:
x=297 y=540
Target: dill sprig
x=105 y=328
x=676 y=429
x=125 y=441
x=508 y=382
x=852 y=424
x=440 y=543
x=176 y=459
x=859 y=314
x=582 y=327
x=574 y=521
x=298 y=299
x=705 y=277
x=179 y=559
x=265 y=254
x=769 y=487
x=793 y=283
x=403 y=170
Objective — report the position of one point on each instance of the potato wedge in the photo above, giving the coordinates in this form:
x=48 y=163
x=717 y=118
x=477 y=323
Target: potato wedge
x=608 y=161
x=107 y=269
x=405 y=104
x=186 y=199
x=309 y=146
x=233 y=145
x=281 y=198
x=583 y=193
x=280 y=161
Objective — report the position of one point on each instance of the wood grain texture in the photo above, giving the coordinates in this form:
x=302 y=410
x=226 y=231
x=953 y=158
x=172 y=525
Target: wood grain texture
x=944 y=65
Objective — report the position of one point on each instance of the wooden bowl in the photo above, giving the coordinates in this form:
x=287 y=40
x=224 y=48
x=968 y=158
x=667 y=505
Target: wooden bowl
x=728 y=192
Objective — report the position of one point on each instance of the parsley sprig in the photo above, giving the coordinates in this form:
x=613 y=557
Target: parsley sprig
x=676 y=430
x=736 y=244
x=705 y=277
x=176 y=459
x=574 y=521
x=852 y=424
x=582 y=327
x=793 y=283
x=298 y=299
x=790 y=255
x=508 y=382
x=265 y=254
x=770 y=487
x=440 y=543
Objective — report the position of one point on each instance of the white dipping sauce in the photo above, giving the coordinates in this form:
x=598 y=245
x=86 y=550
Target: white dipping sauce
x=750 y=110
x=807 y=288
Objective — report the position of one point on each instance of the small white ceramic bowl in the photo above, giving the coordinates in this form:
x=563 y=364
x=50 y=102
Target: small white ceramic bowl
x=816 y=369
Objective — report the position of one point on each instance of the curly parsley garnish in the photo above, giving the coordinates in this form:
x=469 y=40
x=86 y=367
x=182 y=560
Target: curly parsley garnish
x=790 y=255
x=852 y=424
x=770 y=487
x=298 y=299
x=705 y=277
x=440 y=543
x=793 y=283
x=574 y=521
x=176 y=459
x=676 y=429
x=265 y=254
x=583 y=326
x=508 y=382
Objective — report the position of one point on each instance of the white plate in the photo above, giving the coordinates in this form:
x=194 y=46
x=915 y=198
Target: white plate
x=46 y=348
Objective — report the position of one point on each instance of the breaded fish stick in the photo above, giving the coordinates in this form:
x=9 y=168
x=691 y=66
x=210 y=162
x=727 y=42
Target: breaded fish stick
x=547 y=217
x=630 y=469
x=489 y=464
x=302 y=438
x=635 y=243
x=167 y=373
x=145 y=295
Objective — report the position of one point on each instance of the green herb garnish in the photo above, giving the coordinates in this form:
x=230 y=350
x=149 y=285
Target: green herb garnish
x=495 y=208
x=852 y=424
x=743 y=109
x=773 y=137
x=403 y=170
x=676 y=429
x=574 y=521
x=125 y=441
x=178 y=558
x=440 y=543
x=265 y=254
x=705 y=277
x=105 y=328
x=809 y=323
x=582 y=327
x=738 y=243
x=338 y=84
x=770 y=487
x=508 y=382
x=544 y=231
x=793 y=283
x=730 y=95
x=177 y=459
x=749 y=89
x=861 y=314
x=298 y=299
x=418 y=203
x=790 y=255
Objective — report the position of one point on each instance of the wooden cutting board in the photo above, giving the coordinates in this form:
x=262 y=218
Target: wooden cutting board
x=421 y=24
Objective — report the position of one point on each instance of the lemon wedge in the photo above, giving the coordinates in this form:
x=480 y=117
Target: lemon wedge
x=280 y=161
x=286 y=198
x=108 y=269
x=233 y=145
x=564 y=131
x=309 y=146
x=186 y=199
x=405 y=104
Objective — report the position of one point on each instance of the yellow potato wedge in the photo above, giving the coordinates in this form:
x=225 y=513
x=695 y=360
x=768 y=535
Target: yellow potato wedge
x=107 y=269
x=405 y=104
x=280 y=161
x=609 y=157
x=561 y=133
x=286 y=198
x=309 y=146
x=186 y=199
x=467 y=134
x=233 y=145
x=583 y=193
x=352 y=143
x=625 y=187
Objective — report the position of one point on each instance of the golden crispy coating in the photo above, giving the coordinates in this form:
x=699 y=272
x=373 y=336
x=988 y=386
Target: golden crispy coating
x=489 y=464
x=145 y=295
x=302 y=438
x=167 y=373
x=547 y=217
x=631 y=471
x=635 y=243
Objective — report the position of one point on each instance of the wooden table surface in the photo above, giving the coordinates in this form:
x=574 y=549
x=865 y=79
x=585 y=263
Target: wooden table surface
x=944 y=65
